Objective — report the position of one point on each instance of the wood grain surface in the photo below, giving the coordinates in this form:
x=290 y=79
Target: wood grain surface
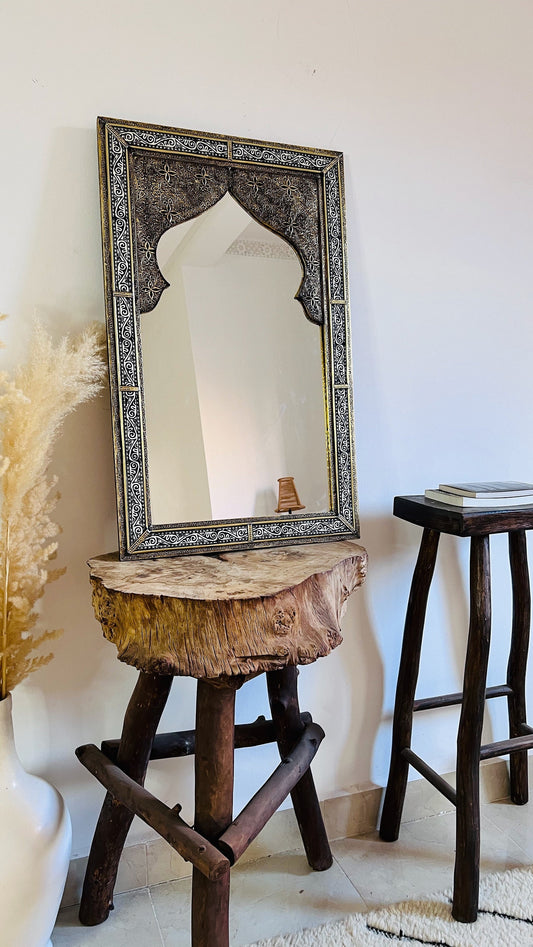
x=226 y=615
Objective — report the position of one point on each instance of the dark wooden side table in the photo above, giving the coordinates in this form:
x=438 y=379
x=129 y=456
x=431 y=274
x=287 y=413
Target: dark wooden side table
x=478 y=524
x=221 y=619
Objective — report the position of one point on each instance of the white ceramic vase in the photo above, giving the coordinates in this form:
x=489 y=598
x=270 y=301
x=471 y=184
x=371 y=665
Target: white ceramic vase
x=35 y=847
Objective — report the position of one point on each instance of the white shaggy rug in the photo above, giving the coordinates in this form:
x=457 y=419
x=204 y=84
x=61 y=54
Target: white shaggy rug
x=505 y=919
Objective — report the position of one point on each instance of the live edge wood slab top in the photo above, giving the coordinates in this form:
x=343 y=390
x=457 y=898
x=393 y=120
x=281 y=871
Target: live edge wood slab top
x=225 y=615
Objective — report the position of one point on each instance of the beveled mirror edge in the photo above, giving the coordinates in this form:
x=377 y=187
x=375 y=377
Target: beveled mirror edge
x=138 y=537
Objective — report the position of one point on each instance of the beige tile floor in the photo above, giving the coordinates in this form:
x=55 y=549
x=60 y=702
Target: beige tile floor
x=280 y=894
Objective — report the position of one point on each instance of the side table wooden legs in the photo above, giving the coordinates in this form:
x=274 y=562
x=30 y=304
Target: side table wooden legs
x=466 y=877
x=283 y=697
x=222 y=620
x=217 y=840
x=140 y=724
x=215 y=716
x=472 y=700
x=405 y=691
x=516 y=669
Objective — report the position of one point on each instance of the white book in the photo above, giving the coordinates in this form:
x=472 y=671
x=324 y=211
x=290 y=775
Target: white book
x=495 y=488
x=488 y=503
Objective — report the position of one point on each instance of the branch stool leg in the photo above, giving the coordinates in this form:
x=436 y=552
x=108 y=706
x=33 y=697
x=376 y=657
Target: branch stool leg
x=140 y=725
x=285 y=709
x=466 y=877
x=516 y=669
x=406 y=687
x=215 y=721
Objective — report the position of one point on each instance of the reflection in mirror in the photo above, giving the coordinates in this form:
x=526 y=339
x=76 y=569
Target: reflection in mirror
x=233 y=374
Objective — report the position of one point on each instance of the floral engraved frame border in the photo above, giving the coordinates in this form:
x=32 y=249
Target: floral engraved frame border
x=153 y=177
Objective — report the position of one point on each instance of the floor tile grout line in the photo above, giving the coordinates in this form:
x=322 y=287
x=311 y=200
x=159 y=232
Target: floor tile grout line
x=155 y=916
x=495 y=825
x=345 y=873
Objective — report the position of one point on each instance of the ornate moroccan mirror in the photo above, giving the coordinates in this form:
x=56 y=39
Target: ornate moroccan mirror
x=228 y=337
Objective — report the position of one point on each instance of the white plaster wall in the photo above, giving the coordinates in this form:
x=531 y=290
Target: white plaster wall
x=431 y=103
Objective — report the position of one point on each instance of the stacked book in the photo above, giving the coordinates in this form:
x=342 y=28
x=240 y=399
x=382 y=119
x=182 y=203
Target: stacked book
x=497 y=495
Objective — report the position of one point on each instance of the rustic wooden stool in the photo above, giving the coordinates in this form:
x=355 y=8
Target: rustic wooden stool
x=478 y=524
x=221 y=619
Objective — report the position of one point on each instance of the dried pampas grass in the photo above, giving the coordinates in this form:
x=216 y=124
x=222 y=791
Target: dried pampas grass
x=33 y=404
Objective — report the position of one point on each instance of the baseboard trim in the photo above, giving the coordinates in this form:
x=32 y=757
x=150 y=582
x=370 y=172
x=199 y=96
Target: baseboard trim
x=346 y=815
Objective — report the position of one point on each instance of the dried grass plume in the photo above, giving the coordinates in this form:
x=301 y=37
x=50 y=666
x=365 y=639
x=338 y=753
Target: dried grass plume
x=33 y=404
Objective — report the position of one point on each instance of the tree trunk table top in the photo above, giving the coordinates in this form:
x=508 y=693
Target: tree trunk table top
x=233 y=614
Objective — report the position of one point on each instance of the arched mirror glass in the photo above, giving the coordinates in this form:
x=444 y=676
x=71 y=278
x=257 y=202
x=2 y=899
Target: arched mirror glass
x=240 y=422
x=228 y=332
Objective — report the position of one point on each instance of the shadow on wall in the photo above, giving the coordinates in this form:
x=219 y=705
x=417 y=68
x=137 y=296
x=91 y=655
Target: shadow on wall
x=63 y=286
x=344 y=692
x=64 y=703
x=374 y=636
x=82 y=462
x=363 y=672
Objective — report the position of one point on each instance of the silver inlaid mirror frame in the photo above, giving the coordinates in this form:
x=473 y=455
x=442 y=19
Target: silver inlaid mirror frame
x=296 y=192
